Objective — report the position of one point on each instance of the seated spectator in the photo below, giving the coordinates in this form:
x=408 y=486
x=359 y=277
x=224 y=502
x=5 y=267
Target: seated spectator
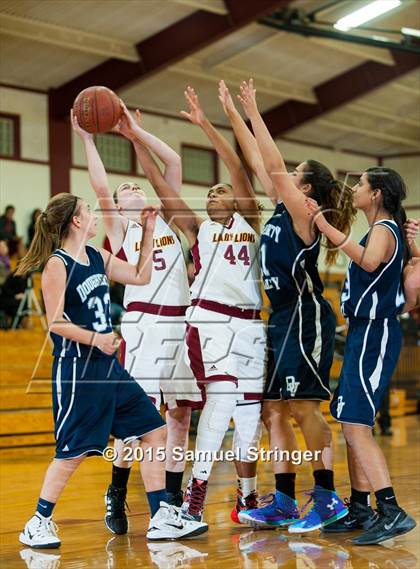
x=8 y=231
x=11 y=295
x=4 y=262
x=31 y=228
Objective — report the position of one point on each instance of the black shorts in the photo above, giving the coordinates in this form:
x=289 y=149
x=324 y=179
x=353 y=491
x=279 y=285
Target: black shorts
x=96 y=397
x=300 y=350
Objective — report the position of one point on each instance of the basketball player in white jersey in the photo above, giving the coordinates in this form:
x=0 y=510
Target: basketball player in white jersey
x=225 y=335
x=153 y=327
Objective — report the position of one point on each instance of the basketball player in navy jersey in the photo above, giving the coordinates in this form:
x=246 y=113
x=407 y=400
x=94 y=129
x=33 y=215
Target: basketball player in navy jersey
x=301 y=328
x=93 y=396
x=372 y=298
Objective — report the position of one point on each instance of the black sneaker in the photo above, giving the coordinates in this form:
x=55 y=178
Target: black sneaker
x=175 y=499
x=115 y=517
x=391 y=522
x=359 y=517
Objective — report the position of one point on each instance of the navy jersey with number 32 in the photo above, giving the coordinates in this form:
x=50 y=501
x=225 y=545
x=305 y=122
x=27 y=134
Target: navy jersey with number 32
x=86 y=302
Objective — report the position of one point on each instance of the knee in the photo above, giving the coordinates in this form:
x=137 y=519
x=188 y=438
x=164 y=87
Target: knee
x=179 y=418
x=157 y=438
x=275 y=416
x=354 y=433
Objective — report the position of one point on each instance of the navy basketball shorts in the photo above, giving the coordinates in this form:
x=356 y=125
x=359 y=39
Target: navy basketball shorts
x=300 y=350
x=96 y=397
x=370 y=357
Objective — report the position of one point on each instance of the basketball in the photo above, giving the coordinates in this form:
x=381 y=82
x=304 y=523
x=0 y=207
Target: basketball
x=97 y=109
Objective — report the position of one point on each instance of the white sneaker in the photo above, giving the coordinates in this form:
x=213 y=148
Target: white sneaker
x=40 y=533
x=168 y=523
x=38 y=560
x=172 y=555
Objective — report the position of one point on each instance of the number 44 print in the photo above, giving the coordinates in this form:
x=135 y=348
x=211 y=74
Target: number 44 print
x=242 y=255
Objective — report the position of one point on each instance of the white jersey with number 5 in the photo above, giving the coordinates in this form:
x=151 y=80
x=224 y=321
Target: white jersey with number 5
x=169 y=283
x=226 y=264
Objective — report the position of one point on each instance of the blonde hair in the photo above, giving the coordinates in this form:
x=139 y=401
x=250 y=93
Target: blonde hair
x=51 y=227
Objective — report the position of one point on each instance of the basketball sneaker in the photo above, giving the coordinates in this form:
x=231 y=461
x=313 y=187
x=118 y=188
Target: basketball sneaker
x=40 y=533
x=250 y=502
x=327 y=508
x=391 y=521
x=38 y=560
x=275 y=511
x=194 y=498
x=360 y=516
x=115 y=516
x=169 y=523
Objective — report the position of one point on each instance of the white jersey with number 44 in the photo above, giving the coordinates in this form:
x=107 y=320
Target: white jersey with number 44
x=169 y=282
x=226 y=264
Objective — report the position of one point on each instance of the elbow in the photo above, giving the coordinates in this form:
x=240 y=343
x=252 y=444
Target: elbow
x=370 y=266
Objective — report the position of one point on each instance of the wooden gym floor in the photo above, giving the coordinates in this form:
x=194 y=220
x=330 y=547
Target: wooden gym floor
x=88 y=544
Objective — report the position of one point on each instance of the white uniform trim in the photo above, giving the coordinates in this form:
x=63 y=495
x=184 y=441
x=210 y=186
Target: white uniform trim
x=56 y=254
x=73 y=391
x=362 y=379
x=383 y=270
x=58 y=383
x=374 y=379
x=316 y=352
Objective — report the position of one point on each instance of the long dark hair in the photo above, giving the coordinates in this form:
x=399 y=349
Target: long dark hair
x=51 y=227
x=334 y=197
x=394 y=192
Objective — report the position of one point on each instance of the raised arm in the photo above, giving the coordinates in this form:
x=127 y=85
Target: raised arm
x=173 y=205
x=379 y=246
x=246 y=141
x=284 y=188
x=140 y=274
x=241 y=185
x=115 y=224
x=412 y=284
x=172 y=161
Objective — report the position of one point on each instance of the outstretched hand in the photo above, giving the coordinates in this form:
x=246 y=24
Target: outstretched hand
x=77 y=128
x=196 y=114
x=126 y=125
x=148 y=217
x=315 y=211
x=411 y=229
x=226 y=99
x=248 y=98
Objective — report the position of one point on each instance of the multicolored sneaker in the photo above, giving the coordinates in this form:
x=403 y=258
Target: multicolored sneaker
x=194 y=498
x=275 y=511
x=248 y=503
x=327 y=508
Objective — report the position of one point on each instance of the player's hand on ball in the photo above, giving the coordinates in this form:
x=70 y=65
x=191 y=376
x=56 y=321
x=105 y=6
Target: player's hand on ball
x=107 y=343
x=126 y=125
x=196 y=114
x=77 y=128
x=148 y=217
x=248 y=98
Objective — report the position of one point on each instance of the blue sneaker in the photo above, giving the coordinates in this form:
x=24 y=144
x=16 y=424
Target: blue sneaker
x=276 y=511
x=327 y=508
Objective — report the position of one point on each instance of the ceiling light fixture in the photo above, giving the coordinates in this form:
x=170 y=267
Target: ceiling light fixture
x=365 y=14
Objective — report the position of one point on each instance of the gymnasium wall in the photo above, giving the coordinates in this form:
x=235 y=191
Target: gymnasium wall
x=25 y=182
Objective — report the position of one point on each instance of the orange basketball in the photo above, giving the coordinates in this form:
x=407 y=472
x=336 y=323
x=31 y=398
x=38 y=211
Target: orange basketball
x=97 y=109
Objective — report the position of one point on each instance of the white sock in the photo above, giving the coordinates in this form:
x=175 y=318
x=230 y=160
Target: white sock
x=247 y=486
x=213 y=424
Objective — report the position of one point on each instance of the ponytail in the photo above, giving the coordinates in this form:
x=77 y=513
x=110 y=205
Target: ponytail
x=393 y=192
x=334 y=198
x=51 y=227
